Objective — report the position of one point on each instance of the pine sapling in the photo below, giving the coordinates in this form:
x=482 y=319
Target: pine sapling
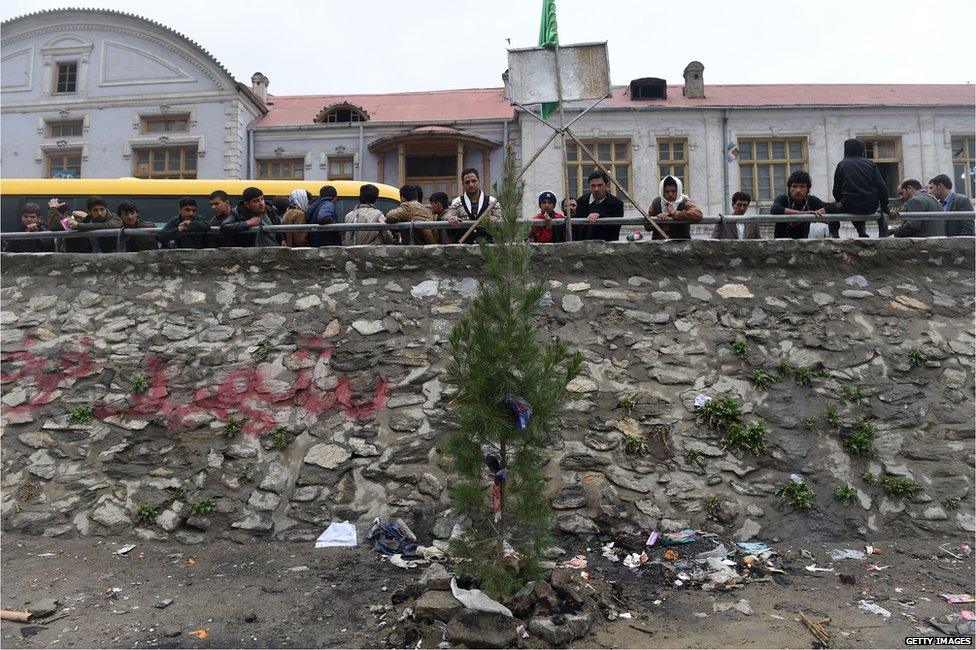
x=501 y=356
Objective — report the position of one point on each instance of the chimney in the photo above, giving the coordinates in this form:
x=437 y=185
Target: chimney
x=694 y=87
x=259 y=86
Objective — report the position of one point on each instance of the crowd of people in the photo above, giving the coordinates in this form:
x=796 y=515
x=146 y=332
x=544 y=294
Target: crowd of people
x=858 y=189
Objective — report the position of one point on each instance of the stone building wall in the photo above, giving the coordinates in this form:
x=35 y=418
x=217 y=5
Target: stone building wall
x=331 y=362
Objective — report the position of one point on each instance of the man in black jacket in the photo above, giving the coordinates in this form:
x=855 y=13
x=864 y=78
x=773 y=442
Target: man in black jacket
x=129 y=214
x=251 y=212
x=187 y=229
x=859 y=188
x=797 y=201
x=597 y=204
x=30 y=219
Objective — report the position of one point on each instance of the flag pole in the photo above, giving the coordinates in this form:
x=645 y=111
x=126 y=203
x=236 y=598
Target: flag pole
x=562 y=137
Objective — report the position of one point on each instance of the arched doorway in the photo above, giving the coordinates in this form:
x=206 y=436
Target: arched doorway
x=433 y=157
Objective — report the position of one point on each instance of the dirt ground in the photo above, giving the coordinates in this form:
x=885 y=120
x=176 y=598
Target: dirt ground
x=270 y=594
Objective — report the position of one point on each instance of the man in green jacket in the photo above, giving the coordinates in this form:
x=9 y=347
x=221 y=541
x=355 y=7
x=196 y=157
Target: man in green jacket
x=98 y=217
x=186 y=230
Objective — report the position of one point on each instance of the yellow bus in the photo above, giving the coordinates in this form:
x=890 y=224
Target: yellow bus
x=158 y=200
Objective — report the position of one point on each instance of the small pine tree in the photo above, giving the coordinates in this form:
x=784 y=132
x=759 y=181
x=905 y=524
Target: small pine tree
x=499 y=349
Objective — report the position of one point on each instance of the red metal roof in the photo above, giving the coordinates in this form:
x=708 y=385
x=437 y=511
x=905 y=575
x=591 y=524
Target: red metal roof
x=433 y=106
x=490 y=103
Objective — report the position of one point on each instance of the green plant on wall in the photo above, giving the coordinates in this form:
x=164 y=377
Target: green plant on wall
x=900 y=488
x=263 y=353
x=231 y=429
x=798 y=495
x=139 y=384
x=802 y=375
x=80 y=414
x=694 y=457
x=145 y=514
x=858 y=441
x=280 y=439
x=833 y=418
x=916 y=357
x=720 y=413
x=203 y=508
x=635 y=446
x=852 y=394
x=627 y=402
x=869 y=478
x=846 y=494
x=762 y=379
x=751 y=438
x=740 y=349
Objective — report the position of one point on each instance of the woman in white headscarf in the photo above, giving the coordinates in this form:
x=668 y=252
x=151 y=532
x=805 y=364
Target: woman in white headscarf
x=297 y=206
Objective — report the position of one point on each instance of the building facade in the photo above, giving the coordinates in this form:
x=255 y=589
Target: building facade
x=102 y=94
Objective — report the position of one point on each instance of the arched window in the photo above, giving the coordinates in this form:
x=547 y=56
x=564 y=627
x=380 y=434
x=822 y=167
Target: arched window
x=341 y=114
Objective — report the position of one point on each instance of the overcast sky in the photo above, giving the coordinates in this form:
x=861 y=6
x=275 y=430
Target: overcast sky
x=327 y=46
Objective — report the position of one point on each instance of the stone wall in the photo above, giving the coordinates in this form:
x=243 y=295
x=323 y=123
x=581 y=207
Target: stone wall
x=203 y=394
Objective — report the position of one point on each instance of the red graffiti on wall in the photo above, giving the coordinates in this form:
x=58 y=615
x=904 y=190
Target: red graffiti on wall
x=48 y=375
x=245 y=393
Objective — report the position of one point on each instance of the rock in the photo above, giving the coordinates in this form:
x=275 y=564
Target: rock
x=307 y=302
x=467 y=287
x=857 y=281
x=436 y=577
x=558 y=634
x=425 y=289
x=733 y=291
x=199 y=522
x=42 y=465
x=277 y=478
x=748 y=530
x=577 y=524
x=368 y=327
x=741 y=606
x=254 y=521
x=569 y=497
x=602 y=440
x=327 y=455
x=43 y=608
x=578 y=286
x=163 y=604
x=581 y=385
x=647 y=318
x=430 y=485
x=168 y=520
x=699 y=292
x=572 y=303
x=110 y=515
x=263 y=500
x=475 y=629
x=666 y=296
x=436 y=605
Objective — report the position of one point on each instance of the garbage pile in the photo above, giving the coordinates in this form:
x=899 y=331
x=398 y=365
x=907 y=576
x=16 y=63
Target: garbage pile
x=439 y=611
x=680 y=559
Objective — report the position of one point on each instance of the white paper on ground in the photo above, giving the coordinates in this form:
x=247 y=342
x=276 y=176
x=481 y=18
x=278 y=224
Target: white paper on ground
x=476 y=599
x=337 y=534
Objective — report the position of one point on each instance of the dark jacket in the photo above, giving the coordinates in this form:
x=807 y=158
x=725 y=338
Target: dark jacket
x=610 y=206
x=922 y=201
x=858 y=184
x=235 y=225
x=957 y=203
x=88 y=224
x=800 y=230
x=139 y=242
x=30 y=245
x=323 y=211
x=194 y=237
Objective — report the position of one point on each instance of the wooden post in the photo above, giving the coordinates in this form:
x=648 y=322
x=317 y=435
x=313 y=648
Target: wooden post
x=460 y=167
x=402 y=164
x=486 y=171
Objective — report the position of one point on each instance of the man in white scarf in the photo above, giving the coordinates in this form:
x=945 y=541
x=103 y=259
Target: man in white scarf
x=470 y=205
x=675 y=209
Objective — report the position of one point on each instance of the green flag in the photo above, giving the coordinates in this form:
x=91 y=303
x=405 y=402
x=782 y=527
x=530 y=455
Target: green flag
x=548 y=36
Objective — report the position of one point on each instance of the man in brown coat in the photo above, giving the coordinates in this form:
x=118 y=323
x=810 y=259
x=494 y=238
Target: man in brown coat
x=740 y=204
x=675 y=209
x=412 y=210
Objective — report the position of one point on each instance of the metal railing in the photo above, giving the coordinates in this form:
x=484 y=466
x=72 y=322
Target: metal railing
x=412 y=226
